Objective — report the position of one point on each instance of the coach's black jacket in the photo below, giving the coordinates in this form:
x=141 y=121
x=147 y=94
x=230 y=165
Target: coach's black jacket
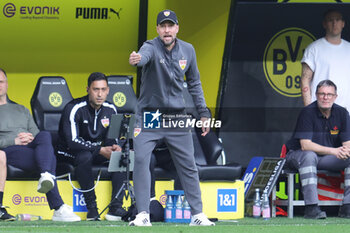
x=84 y=128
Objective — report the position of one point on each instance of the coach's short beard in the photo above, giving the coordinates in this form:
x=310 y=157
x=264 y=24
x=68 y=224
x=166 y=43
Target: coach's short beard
x=170 y=43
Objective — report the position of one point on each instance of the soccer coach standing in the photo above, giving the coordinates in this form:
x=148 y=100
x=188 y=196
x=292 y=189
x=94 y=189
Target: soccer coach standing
x=165 y=61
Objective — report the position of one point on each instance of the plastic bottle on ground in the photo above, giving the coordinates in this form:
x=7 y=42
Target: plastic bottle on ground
x=27 y=217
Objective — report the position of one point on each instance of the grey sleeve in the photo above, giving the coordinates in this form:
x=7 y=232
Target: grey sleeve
x=7 y=136
x=146 y=52
x=32 y=127
x=6 y=141
x=27 y=123
x=195 y=86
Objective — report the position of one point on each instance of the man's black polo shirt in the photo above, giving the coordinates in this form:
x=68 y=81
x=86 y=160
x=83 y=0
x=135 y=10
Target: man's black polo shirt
x=313 y=125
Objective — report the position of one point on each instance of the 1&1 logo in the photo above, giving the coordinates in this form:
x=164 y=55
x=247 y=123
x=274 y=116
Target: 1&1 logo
x=282 y=58
x=227 y=200
x=79 y=204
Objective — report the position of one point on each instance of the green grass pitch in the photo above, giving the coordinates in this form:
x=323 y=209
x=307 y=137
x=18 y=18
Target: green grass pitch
x=246 y=225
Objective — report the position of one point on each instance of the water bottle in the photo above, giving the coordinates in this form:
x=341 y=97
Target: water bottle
x=186 y=209
x=178 y=207
x=169 y=207
x=257 y=204
x=266 y=214
x=27 y=217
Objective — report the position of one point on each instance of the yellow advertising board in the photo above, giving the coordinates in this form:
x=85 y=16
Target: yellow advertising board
x=222 y=200
x=22 y=197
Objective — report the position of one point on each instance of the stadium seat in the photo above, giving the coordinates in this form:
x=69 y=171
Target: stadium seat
x=121 y=93
x=50 y=96
x=207 y=151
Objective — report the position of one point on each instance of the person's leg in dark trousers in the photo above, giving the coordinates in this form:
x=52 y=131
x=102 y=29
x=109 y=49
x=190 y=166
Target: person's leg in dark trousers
x=44 y=152
x=306 y=163
x=41 y=152
x=180 y=145
x=27 y=159
x=116 y=211
x=331 y=163
x=83 y=170
x=46 y=161
x=117 y=182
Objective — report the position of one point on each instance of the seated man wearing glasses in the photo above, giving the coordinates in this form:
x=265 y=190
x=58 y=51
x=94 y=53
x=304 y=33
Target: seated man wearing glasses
x=321 y=140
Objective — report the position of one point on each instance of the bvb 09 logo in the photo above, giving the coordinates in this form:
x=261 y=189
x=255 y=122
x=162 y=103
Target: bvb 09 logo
x=55 y=99
x=282 y=58
x=119 y=99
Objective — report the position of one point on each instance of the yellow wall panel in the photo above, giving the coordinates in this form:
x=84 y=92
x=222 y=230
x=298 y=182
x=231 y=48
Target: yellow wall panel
x=56 y=38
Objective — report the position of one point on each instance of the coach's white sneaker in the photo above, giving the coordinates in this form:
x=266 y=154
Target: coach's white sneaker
x=141 y=220
x=201 y=220
x=46 y=182
x=65 y=214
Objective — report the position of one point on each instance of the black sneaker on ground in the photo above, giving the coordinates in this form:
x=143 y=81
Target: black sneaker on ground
x=4 y=216
x=92 y=215
x=116 y=214
x=344 y=211
x=314 y=212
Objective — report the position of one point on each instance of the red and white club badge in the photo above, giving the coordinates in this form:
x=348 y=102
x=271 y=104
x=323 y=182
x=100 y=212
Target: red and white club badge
x=182 y=64
x=137 y=131
x=105 y=122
